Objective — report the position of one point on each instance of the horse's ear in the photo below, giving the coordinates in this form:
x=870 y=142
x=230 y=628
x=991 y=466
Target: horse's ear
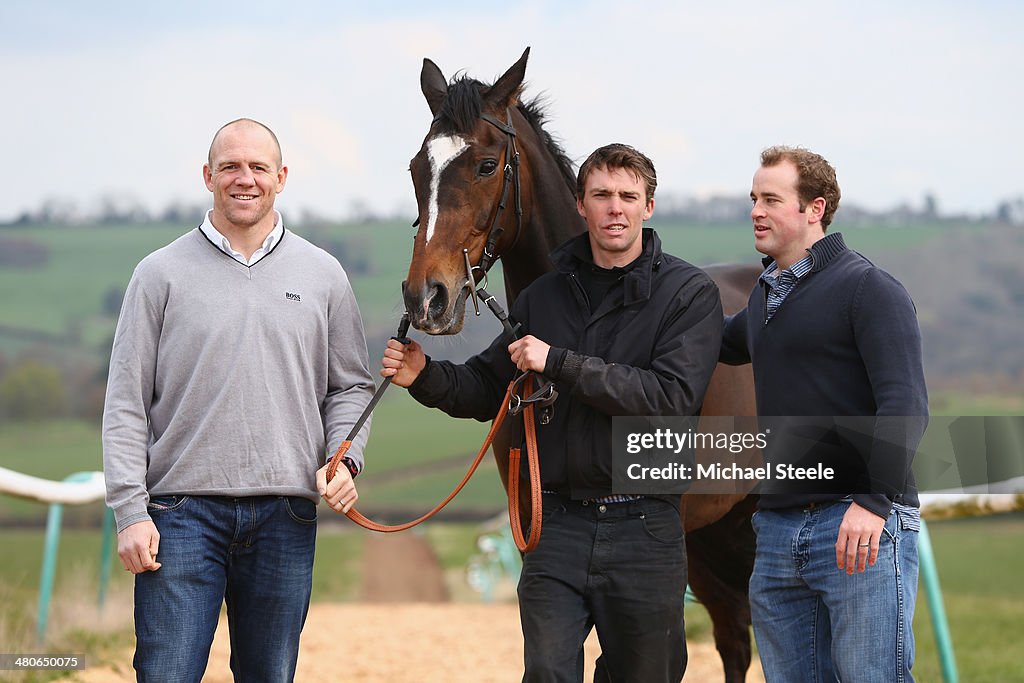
x=506 y=89
x=433 y=85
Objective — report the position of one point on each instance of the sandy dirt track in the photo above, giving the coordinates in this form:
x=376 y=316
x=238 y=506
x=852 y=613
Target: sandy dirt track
x=405 y=631
x=410 y=643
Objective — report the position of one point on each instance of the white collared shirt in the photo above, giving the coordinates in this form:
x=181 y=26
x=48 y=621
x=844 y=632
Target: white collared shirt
x=221 y=241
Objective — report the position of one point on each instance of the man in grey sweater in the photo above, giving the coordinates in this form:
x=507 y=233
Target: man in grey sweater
x=238 y=364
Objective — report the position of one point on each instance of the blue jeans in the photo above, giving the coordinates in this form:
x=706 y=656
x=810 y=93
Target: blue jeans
x=256 y=554
x=814 y=623
x=620 y=567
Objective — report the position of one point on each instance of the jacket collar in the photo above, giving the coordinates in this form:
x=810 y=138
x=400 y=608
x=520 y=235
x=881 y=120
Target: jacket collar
x=822 y=252
x=637 y=281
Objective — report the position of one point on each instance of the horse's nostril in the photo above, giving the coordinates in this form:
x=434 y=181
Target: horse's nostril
x=437 y=299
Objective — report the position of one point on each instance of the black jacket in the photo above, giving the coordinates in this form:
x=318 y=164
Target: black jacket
x=648 y=349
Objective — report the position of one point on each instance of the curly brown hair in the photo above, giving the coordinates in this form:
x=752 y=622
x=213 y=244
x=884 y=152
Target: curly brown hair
x=815 y=177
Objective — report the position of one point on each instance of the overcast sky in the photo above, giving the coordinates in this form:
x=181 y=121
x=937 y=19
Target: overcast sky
x=907 y=98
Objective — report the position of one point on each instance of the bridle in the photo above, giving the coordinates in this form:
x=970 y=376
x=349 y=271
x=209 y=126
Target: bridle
x=512 y=182
x=544 y=396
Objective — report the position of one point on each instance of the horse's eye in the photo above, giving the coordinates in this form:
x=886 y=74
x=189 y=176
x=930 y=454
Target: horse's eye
x=488 y=167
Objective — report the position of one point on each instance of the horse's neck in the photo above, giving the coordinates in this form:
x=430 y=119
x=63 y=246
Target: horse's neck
x=552 y=220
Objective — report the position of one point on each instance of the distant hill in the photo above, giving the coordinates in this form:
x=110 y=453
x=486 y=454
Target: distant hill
x=968 y=286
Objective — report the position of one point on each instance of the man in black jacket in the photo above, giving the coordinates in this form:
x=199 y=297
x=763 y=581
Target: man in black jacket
x=622 y=328
x=830 y=334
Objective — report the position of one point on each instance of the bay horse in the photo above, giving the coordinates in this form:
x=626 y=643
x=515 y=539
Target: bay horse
x=471 y=210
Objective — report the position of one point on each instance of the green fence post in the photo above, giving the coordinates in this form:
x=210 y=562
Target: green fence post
x=51 y=545
x=105 y=554
x=930 y=576
x=511 y=560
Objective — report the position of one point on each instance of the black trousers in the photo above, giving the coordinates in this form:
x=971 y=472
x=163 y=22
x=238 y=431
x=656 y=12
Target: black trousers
x=619 y=567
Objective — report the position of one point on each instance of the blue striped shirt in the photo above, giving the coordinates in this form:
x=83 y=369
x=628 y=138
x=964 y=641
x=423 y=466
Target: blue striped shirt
x=781 y=283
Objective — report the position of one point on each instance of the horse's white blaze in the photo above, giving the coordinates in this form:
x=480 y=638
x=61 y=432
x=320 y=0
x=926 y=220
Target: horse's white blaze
x=440 y=150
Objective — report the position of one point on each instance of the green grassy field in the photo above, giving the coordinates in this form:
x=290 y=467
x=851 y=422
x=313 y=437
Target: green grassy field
x=51 y=450
x=76 y=624
x=404 y=434
x=978 y=560
x=949 y=403
x=704 y=245
x=85 y=261
x=66 y=295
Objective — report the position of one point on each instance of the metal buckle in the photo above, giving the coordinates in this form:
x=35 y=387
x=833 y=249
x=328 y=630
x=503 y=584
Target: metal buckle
x=471 y=282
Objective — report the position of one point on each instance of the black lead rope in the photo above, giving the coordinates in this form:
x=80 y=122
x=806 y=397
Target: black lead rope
x=545 y=396
x=401 y=336
x=499 y=312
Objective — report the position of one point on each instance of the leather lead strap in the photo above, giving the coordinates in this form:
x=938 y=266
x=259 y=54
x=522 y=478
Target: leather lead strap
x=536 y=504
x=533 y=465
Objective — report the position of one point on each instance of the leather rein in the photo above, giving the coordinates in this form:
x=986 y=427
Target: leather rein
x=520 y=395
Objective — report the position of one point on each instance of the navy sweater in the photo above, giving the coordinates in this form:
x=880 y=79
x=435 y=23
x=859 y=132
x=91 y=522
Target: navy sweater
x=845 y=342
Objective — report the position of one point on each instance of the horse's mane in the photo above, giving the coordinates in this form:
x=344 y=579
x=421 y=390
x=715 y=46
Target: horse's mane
x=461 y=109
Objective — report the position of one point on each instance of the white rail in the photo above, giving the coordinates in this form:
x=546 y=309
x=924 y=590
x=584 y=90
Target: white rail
x=49 y=491
x=1001 y=496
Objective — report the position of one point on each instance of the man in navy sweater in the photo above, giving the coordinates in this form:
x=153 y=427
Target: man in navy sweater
x=830 y=334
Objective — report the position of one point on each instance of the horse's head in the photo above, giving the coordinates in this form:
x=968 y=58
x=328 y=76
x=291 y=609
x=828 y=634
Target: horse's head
x=460 y=175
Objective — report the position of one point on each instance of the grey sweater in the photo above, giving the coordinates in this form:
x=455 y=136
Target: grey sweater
x=231 y=380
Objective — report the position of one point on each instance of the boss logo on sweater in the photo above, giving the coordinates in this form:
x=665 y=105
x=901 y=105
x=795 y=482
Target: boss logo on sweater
x=292 y=296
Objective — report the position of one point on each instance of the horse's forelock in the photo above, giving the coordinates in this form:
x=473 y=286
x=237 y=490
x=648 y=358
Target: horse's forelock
x=461 y=109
